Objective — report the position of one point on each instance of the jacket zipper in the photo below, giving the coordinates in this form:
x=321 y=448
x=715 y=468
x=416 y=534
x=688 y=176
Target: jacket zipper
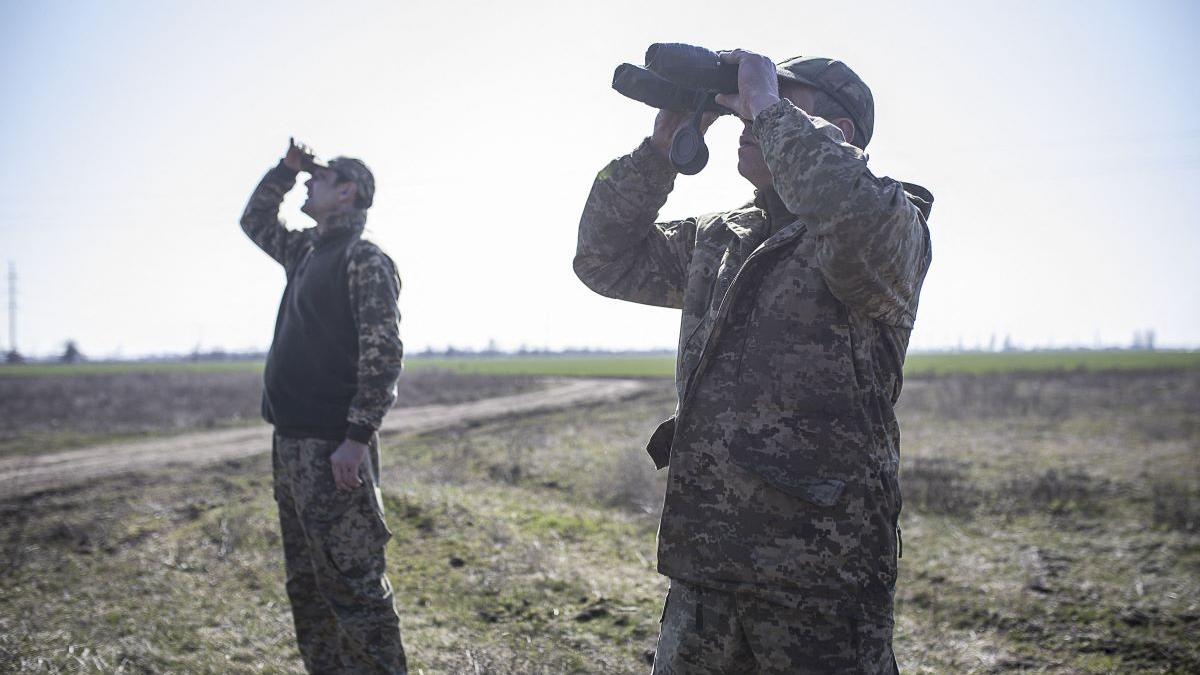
x=745 y=342
x=723 y=309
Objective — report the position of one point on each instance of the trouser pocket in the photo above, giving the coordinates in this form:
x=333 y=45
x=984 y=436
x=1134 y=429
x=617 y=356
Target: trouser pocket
x=355 y=541
x=347 y=526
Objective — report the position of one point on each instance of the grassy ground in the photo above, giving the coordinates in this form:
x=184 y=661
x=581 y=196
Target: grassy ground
x=660 y=365
x=636 y=365
x=504 y=559
x=1052 y=524
x=980 y=363
x=645 y=365
x=917 y=365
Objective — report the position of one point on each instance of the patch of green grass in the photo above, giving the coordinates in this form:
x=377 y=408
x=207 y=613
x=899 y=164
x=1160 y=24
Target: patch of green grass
x=980 y=363
x=660 y=365
x=917 y=364
x=150 y=573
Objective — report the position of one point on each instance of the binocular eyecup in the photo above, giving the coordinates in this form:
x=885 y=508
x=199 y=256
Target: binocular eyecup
x=683 y=78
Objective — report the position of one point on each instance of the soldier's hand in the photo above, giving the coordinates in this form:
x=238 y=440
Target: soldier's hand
x=298 y=155
x=346 y=460
x=758 y=83
x=667 y=122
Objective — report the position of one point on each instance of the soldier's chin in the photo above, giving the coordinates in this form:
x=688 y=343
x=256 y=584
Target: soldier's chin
x=750 y=163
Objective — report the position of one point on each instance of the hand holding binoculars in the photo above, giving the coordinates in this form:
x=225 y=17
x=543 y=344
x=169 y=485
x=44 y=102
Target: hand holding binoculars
x=300 y=157
x=684 y=78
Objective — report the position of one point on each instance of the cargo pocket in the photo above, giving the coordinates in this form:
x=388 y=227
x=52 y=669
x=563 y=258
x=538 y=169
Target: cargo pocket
x=355 y=540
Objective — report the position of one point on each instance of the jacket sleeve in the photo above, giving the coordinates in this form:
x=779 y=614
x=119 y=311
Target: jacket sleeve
x=260 y=220
x=872 y=242
x=622 y=252
x=374 y=290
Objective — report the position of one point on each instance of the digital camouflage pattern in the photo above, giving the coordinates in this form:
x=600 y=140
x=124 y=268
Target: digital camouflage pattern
x=374 y=288
x=333 y=542
x=711 y=631
x=784 y=450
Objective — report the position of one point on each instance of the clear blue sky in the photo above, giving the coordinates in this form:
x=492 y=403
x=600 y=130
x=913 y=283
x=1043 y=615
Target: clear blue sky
x=1060 y=139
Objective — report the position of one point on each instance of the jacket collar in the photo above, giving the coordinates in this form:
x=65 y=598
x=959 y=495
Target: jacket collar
x=338 y=225
x=760 y=220
x=748 y=223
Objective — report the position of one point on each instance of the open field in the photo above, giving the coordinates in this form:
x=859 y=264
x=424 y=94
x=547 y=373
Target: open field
x=1052 y=525
x=917 y=365
x=981 y=363
x=47 y=413
x=662 y=365
x=32 y=473
x=601 y=365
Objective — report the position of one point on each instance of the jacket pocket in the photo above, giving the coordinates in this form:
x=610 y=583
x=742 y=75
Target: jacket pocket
x=818 y=491
x=807 y=456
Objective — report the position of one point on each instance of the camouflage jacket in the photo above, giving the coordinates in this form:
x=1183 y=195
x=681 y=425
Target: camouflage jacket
x=373 y=287
x=784 y=450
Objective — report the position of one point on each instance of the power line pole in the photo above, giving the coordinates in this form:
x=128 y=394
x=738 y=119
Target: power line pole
x=13 y=355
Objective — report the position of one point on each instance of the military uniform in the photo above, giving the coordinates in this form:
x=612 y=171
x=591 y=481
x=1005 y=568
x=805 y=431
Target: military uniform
x=331 y=375
x=779 y=529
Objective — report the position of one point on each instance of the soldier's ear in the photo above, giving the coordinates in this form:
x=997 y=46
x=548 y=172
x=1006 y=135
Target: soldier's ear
x=846 y=126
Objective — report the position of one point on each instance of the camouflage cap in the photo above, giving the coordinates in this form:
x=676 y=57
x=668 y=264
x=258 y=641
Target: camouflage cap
x=841 y=84
x=355 y=171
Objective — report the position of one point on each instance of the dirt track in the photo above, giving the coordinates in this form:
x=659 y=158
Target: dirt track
x=22 y=475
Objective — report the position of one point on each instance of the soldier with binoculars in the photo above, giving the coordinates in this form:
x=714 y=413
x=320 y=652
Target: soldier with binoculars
x=779 y=529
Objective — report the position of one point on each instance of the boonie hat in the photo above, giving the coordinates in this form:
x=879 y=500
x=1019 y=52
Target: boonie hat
x=843 y=85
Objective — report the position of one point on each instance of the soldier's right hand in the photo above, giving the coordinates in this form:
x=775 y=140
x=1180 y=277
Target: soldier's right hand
x=667 y=122
x=296 y=155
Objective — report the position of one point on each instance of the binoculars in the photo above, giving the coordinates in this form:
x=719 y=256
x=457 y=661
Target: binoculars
x=684 y=78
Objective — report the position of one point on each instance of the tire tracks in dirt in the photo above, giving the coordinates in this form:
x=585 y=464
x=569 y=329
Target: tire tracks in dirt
x=27 y=474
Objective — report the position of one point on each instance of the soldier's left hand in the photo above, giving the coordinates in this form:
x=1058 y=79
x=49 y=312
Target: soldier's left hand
x=758 y=83
x=346 y=460
x=299 y=156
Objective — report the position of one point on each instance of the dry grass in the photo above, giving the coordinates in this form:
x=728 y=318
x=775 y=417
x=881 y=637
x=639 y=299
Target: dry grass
x=1050 y=526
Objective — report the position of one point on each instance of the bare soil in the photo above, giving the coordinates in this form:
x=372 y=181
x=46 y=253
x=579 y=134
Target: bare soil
x=49 y=413
x=23 y=474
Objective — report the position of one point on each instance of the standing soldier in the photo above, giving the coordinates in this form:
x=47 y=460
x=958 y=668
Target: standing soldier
x=779 y=529
x=329 y=380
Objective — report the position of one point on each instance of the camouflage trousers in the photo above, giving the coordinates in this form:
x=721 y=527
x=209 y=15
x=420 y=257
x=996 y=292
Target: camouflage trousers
x=333 y=543
x=706 y=630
